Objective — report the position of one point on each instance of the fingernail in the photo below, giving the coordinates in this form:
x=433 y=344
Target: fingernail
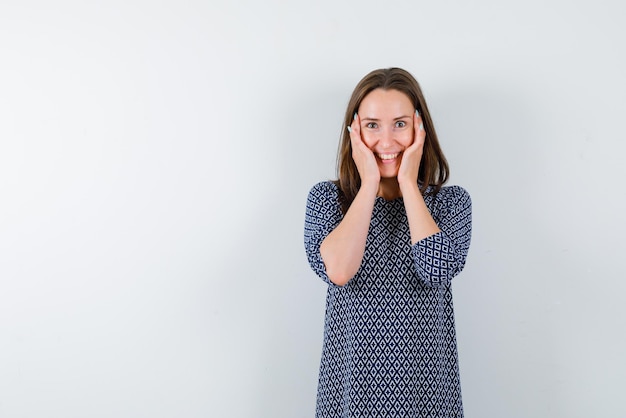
x=421 y=126
x=417 y=112
x=354 y=115
x=349 y=129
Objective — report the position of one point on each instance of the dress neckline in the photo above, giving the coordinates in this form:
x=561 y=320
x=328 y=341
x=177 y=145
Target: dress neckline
x=385 y=201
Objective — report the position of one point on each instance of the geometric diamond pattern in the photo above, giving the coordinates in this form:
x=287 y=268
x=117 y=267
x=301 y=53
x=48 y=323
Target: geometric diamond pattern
x=389 y=337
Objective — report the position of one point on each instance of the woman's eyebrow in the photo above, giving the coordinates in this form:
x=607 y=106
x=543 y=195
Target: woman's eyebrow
x=378 y=120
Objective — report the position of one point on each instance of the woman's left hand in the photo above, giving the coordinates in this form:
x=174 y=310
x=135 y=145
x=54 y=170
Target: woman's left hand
x=412 y=156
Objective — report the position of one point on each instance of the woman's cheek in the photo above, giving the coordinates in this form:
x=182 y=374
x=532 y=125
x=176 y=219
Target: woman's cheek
x=407 y=139
x=368 y=140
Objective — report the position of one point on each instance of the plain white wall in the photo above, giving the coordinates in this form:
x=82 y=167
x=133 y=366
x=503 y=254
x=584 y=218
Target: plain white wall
x=155 y=158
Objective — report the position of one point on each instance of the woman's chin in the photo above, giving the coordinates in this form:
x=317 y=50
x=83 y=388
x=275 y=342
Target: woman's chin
x=389 y=175
x=388 y=171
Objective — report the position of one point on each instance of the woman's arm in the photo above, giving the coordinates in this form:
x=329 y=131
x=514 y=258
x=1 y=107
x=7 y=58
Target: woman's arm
x=421 y=223
x=440 y=257
x=439 y=249
x=342 y=250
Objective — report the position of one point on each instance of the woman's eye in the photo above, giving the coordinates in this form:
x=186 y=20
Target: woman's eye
x=400 y=124
x=372 y=125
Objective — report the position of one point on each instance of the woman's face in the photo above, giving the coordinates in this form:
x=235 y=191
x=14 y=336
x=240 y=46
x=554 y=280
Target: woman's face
x=386 y=118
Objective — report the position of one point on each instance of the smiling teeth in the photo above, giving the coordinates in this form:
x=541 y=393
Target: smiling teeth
x=388 y=156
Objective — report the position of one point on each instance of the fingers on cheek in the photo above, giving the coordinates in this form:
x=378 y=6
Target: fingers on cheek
x=421 y=133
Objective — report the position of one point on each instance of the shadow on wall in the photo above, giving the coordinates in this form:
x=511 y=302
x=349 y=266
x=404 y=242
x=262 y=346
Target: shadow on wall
x=516 y=299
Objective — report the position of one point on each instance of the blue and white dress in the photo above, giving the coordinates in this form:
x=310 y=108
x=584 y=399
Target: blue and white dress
x=389 y=337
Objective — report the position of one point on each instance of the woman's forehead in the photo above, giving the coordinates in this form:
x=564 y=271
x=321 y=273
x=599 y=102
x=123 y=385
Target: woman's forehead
x=381 y=103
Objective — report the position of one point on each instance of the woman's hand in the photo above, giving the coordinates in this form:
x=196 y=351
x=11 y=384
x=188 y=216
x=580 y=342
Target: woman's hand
x=363 y=157
x=412 y=156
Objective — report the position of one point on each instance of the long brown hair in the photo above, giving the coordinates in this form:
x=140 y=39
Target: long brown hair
x=433 y=171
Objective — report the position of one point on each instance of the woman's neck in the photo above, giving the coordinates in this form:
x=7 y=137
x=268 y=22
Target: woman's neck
x=389 y=189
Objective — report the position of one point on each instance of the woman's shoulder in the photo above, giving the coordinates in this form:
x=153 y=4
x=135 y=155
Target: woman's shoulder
x=454 y=191
x=452 y=196
x=325 y=189
x=324 y=198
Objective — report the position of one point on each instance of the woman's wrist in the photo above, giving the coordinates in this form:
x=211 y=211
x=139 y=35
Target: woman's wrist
x=408 y=186
x=369 y=187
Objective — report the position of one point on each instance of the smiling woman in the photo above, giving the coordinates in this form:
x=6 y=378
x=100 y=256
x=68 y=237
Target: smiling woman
x=387 y=128
x=388 y=238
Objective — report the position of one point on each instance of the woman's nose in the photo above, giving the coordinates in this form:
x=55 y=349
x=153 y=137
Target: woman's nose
x=386 y=138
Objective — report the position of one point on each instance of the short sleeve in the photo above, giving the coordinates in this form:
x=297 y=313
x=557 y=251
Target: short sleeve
x=323 y=214
x=440 y=257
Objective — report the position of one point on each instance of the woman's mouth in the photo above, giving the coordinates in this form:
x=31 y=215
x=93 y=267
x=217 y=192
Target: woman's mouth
x=388 y=158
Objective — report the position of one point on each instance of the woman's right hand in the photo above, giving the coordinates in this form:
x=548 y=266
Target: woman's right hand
x=363 y=157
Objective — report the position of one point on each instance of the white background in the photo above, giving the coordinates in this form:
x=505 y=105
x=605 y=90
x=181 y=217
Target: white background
x=155 y=158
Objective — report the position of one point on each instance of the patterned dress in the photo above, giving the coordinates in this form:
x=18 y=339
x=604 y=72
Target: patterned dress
x=389 y=338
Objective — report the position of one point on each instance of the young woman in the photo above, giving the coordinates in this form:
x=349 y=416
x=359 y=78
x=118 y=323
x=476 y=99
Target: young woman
x=388 y=238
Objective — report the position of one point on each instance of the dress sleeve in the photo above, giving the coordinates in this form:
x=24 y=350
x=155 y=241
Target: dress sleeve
x=440 y=257
x=323 y=214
